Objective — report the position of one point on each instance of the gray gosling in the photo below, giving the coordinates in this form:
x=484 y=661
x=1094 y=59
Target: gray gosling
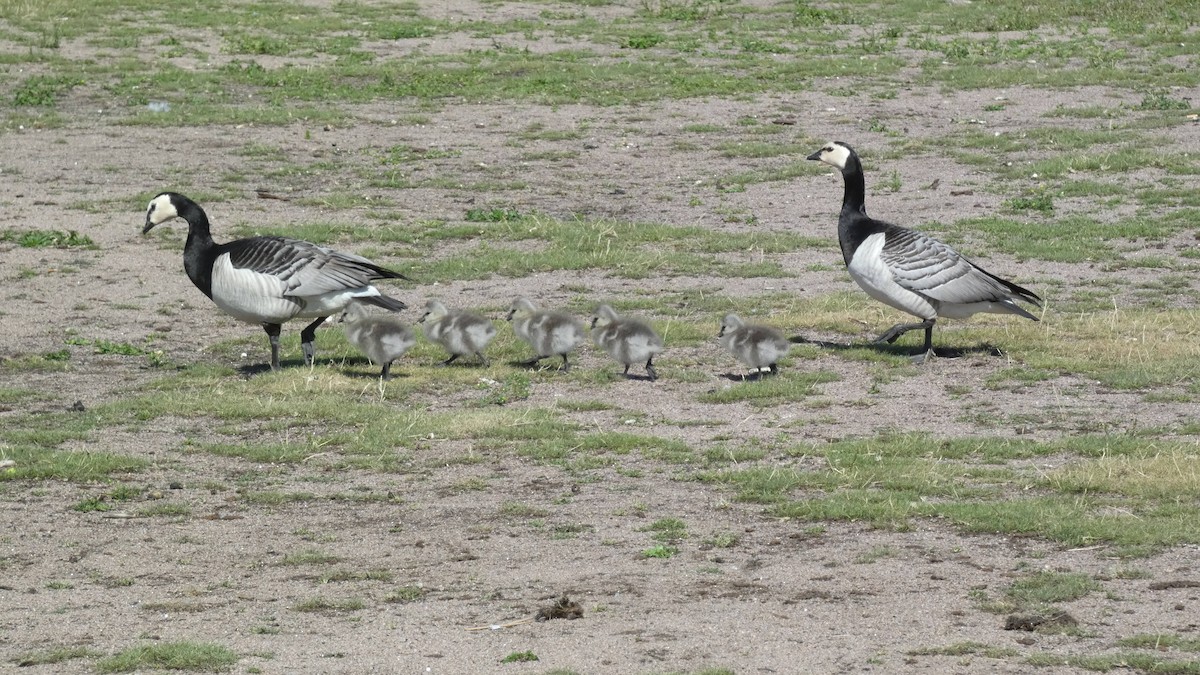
x=383 y=338
x=759 y=347
x=627 y=340
x=457 y=331
x=549 y=333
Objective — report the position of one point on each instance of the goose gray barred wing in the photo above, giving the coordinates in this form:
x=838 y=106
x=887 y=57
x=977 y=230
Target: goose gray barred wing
x=927 y=266
x=305 y=268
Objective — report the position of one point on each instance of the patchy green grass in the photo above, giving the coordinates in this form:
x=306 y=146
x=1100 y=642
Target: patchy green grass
x=53 y=656
x=48 y=239
x=186 y=656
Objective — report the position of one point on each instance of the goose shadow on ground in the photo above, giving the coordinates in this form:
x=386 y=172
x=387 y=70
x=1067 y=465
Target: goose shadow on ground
x=900 y=350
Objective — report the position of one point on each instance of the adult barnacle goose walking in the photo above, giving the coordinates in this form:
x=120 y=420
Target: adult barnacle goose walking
x=626 y=339
x=911 y=271
x=549 y=333
x=271 y=280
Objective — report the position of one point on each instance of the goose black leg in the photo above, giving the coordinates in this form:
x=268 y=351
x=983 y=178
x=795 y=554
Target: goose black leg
x=529 y=363
x=386 y=374
x=450 y=360
x=566 y=366
x=650 y=369
x=893 y=333
x=626 y=371
x=901 y=328
x=483 y=359
x=927 y=353
x=307 y=336
x=273 y=335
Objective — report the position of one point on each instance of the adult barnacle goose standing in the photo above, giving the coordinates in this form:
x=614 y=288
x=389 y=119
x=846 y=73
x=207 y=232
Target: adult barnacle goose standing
x=458 y=331
x=549 y=333
x=625 y=339
x=271 y=280
x=759 y=347
x=911 y=271
x=382 y=337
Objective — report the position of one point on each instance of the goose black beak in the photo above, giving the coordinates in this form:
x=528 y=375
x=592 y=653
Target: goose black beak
x=149 y=225
x=816 y=155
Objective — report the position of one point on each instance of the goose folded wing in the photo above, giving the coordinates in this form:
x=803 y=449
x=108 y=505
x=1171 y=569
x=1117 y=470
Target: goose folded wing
x=933 y=269
x=305 y=269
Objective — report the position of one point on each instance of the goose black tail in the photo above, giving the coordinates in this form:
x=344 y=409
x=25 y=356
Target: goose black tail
x=1021 y=292
x=390 y=304
x=385 y=273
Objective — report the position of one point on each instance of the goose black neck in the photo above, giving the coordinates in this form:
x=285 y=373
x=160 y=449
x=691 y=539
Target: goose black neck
x=199 y=252
x=854 y=208
x=855 y=198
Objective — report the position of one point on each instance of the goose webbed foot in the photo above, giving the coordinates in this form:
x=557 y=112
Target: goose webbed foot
x=483 y=360
x=530 y=363
x=386 y=374
x=566 y=366
x=921 y=358
x=452 y=359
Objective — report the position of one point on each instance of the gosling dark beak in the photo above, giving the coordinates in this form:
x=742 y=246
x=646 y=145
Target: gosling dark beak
x=816 y=155
x=510 y=314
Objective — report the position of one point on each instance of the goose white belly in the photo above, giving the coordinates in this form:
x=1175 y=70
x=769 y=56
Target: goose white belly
x=873 y=276
x=255 y=297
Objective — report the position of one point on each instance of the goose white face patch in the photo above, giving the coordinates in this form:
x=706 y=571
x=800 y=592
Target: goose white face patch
x=160 y=210
x=835 y=155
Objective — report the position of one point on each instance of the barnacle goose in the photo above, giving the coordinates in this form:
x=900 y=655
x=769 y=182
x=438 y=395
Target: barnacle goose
x=271 y=280
x=549 y=333
x=458 y=331
x=911 y=271
x=382 y=337
x=627 y=340
x=759 y=347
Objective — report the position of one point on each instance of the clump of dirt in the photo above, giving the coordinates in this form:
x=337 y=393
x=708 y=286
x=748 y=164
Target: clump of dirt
x=1040 y=622
x=564 y=608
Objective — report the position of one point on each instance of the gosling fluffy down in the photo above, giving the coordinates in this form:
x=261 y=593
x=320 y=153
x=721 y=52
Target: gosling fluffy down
x=759 y=347
x=381 y=337
x=459 y=332
x=627 y=340
x=549 y=333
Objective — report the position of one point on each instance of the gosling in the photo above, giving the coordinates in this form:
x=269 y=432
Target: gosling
x=549 y=333
x=759 y=347
x=383 y=338
x=627 y=340
x=457 y=331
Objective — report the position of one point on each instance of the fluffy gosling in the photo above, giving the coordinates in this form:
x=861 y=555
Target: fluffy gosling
x=383 y=338
x=549 y=333
x=759 y=347
x=627 y=340
x=457 y=331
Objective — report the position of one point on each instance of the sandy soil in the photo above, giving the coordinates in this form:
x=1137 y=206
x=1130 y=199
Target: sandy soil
x=785 y=598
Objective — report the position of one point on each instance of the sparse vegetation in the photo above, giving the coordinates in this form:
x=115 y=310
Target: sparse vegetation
x=573 y=151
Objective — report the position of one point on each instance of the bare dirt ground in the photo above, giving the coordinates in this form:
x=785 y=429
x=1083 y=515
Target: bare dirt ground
x=784 y=599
